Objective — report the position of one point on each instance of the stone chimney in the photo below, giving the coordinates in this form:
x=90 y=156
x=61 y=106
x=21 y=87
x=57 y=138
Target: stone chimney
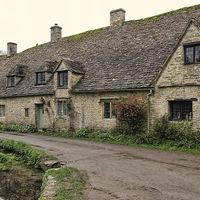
x=56 y=33
x=11 y=49
x=117 y=17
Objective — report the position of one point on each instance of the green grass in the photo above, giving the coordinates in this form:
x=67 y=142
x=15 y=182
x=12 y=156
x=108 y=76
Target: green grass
x=70 y=183
x=121 y=139
x=6 y=160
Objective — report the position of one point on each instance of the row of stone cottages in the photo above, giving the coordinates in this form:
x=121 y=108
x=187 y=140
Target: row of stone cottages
x=157 y=58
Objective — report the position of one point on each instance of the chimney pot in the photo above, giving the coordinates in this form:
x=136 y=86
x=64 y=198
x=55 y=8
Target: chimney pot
x=117 y=17
x=11 y=49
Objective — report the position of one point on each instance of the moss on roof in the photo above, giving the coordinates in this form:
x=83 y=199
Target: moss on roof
x=156 y=17
x=83 y=35
x=2 y=56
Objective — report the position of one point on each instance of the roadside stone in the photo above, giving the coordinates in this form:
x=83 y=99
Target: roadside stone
x=52 y=163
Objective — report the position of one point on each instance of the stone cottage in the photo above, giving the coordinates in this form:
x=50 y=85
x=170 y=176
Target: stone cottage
x=72 y=81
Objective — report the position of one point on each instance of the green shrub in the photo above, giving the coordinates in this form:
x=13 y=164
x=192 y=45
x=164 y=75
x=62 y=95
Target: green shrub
x=82 y=133
x=179 y=134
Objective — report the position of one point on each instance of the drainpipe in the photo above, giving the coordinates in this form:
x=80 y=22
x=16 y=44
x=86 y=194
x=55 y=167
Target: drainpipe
x=148 y=113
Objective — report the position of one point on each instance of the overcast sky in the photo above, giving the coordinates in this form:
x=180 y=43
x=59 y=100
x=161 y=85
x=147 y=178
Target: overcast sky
x=28 y=22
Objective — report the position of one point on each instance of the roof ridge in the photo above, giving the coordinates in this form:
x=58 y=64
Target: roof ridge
x=156 y=17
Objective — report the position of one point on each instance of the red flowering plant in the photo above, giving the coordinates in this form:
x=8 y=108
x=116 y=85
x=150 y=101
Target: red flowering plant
x=131 y=114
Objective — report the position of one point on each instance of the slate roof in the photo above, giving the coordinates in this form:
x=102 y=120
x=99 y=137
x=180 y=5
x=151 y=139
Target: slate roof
x=121 y=58
x=18 y=70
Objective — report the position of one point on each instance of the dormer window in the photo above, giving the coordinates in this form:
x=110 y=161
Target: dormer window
x=10 y=81
x=192 y=53
x=63 y=78
x=40 y=78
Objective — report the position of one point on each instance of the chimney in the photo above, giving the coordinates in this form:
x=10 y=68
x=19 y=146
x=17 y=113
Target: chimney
x=56 y=33
x=11 y=49
x=117 y=17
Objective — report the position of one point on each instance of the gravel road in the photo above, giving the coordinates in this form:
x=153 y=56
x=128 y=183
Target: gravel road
x=122 y=172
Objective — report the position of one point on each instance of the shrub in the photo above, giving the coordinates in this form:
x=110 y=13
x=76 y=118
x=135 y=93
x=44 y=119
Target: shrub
x=131 y=113
x=179 y=134
x=82 y=133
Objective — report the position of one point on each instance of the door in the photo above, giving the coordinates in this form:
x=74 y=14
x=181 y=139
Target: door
x=40 y=114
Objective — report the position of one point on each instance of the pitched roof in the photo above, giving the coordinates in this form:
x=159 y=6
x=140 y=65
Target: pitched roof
x=113 y=58
x=18 y=70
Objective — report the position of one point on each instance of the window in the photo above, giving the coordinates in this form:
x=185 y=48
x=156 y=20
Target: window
x=26 y=112
x=10 y=81
x=108 y=110
x=2 y=110
x=40 y=78
x=180 y=110
x=192 y=54
x=63 y=78
x=62 y=108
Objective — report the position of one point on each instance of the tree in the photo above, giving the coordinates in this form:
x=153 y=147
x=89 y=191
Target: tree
x=2 y=52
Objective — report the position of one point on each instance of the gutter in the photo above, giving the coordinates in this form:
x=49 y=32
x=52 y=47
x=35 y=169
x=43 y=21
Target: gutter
x=112 y=90
x=148 y=112
x=27 y=95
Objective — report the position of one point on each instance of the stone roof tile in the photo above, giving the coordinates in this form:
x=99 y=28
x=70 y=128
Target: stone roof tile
x=124 y=57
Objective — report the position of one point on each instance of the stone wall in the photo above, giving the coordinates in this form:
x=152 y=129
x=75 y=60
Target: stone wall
x=15 y=110
x=178 y=81
x=89 y=108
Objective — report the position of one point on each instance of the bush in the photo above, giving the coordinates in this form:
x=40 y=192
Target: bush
x=83 y=132
x=179 y=134
x=131 y=113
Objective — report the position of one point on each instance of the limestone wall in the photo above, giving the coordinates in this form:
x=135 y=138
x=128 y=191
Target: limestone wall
x=178 y=81
x=15 y=110
x=89 y=109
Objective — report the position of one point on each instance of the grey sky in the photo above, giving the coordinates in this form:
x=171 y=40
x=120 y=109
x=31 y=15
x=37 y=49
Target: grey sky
x=28 y=22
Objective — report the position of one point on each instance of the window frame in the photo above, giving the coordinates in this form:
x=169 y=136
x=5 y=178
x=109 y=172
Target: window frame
x=26 y=112
x=112 y=110
x=11 y=80
x=41 y=78
x=181 y=103
x=63 y=111
x=2 y=111
x=194 y=46
x=64 y=78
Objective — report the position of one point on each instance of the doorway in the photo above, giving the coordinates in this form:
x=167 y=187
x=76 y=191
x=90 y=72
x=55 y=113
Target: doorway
x=40 y=116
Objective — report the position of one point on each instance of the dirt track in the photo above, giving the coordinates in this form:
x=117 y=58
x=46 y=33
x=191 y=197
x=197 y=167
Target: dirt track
x=122 y=172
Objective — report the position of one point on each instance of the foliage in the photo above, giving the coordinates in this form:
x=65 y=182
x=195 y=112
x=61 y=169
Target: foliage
x=6 y=160
x=27 y=128
x=2 y=52
x=179 y=134
x=131 y=111
x=30 y=155
x=82 y=133
x=184 y=139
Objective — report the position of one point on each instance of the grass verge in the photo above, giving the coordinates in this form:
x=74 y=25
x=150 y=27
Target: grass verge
x=122 y=139
x=69 y=181
x=69 y=184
